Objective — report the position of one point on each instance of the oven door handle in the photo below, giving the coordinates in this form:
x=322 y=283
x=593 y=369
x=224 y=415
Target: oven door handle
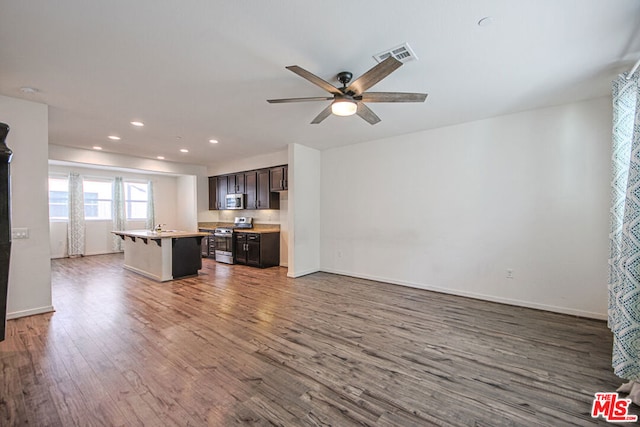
x=221 y=235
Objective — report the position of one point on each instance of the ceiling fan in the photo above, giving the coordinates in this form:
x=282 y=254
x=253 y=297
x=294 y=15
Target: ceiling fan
x=349 y=100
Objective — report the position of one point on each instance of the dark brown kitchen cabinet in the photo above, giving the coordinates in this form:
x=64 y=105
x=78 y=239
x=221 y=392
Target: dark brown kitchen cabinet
x=213 y=193
x=257 y=249
x=260 y=187
x=204 y=247
x=278 y=178
x=251 y=190
x=265 y=198
x=222 y=191
x=235 y=183
x=208 y=247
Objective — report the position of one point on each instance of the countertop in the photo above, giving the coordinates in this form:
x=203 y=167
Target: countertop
x=176 y=234
x=257 y=228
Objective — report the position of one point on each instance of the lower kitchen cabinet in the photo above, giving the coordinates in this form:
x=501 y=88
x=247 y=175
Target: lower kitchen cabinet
x=208 y=244
x=257 y=249
x=204 y=247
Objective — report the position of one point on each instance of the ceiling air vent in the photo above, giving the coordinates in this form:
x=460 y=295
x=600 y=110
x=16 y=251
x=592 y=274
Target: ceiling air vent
x=402 y=53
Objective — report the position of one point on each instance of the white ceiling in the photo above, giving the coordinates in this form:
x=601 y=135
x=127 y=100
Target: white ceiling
x=196 y=70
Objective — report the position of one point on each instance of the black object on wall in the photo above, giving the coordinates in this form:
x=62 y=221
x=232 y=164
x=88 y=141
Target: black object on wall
x=5 y=225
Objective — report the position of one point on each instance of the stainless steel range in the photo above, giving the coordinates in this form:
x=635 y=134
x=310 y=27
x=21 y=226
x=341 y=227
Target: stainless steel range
x=224 y=239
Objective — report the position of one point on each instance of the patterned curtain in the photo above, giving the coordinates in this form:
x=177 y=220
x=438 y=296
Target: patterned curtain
x=624 y=261
x=151 y=213
x=76 y=216
x=118 y=212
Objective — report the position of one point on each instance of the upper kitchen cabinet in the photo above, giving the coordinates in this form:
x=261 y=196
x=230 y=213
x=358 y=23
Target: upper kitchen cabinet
x=235 y=184
x=265 y=198
x=260 y=187
x=213 y=193
x=251 y=189
x=222 y=190
x=278 y=178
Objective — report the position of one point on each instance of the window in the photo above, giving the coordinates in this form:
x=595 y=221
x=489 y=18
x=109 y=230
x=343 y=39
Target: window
x=136 y=195
x=58 y=199
x=98 y=197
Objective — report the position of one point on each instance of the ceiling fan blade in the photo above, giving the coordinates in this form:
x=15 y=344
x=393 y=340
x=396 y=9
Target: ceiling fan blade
x=374 y=75
x=366 y=113
x=323 y=115
x=392 y=97
x=314 y=98
x=314 y=79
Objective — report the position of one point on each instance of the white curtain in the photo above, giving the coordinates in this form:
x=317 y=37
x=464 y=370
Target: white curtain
x=624 y=261
x=76 y=230
x=118 y=214
x=151 y=213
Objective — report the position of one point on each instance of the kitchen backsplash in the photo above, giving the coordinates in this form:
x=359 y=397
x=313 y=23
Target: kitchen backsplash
x=260 y=216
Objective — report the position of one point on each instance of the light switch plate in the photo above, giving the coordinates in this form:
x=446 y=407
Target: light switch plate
x=19 y=233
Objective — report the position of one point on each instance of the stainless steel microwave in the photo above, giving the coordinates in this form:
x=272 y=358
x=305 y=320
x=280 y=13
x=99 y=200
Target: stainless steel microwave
x=234 y=201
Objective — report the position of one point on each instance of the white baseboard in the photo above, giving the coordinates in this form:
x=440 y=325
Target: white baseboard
x=301 y=273
x=484 y=297
x=31 y=312
x=146 y=273
x=85 y=255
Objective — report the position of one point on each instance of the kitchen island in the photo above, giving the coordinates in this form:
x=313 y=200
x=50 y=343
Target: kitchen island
x=162 y=255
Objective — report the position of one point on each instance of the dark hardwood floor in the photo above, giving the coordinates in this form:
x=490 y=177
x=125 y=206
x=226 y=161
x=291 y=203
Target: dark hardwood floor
x=243 y=346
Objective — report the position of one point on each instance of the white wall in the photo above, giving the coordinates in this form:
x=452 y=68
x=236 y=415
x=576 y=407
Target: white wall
x=121 y=161
x=204 y=214
x=30 y=270
x=186 y=204
x=250 y=163
x=304 y=210
x=98 y=237
x=453 y=209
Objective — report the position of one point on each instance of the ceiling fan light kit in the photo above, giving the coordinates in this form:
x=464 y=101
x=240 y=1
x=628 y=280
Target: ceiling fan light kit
x=344 y=107
x=350 y=100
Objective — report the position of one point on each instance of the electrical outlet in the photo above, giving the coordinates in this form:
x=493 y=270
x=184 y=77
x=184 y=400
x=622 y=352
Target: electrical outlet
x=19 y=233
x=339 y=254
x=509 y=273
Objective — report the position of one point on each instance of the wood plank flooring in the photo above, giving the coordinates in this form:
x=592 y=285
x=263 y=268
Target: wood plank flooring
x=243 y=346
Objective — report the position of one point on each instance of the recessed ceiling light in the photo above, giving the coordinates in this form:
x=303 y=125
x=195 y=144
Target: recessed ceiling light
x=213 y=141
x=184 y=150
x=160 y=157
x=139 y=124
x=29 y=90
x=114 y=137
x=486 y=21
x=95 y=147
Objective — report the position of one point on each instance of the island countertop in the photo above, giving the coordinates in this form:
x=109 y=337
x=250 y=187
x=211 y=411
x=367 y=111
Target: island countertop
x=164 y=255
